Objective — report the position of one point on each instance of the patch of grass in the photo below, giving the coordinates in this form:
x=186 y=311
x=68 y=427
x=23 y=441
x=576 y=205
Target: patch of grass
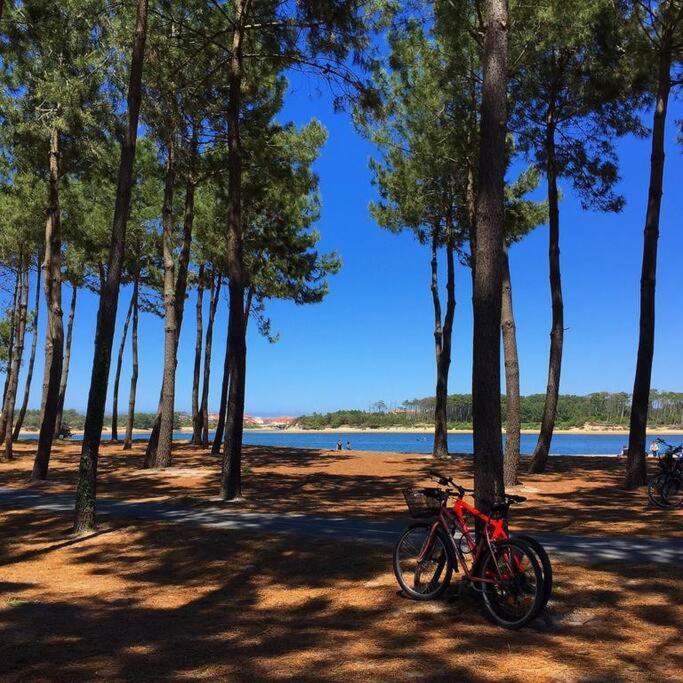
x=18 y=602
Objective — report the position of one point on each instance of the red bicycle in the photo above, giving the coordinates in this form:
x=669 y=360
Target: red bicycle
x=512 y=573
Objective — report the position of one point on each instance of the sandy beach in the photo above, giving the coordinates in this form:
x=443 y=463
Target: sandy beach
x=428 y=430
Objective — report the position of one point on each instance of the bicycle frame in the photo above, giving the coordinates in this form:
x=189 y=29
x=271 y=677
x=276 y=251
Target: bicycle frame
x=494 y=530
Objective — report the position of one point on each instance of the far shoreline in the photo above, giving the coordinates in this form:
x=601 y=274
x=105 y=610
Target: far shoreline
x=429 y=430
x=580 y=431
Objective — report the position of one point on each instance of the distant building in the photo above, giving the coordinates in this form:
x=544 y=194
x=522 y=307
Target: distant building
x=269 y=422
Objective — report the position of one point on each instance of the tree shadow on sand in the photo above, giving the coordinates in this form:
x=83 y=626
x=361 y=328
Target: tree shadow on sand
x=171 y=602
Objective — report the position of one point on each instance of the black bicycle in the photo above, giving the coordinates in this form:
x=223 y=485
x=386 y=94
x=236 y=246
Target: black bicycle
x=665 y=489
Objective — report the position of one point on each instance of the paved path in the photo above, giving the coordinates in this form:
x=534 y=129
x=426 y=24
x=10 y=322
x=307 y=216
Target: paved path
x=582 y=549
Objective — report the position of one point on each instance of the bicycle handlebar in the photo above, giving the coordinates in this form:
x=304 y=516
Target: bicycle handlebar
x=670 y=448
x=448 y=481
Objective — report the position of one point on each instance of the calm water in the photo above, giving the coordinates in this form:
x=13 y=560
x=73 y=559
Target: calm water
x=410 y=442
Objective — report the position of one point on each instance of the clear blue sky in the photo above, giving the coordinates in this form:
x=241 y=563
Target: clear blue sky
x=372 y=337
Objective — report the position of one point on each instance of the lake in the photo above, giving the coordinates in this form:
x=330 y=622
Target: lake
x=413 y=442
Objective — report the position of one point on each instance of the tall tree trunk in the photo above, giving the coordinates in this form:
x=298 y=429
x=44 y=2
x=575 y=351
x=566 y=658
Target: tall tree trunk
x=13 y=371
x=153 y=441
x=10 y=350
x=220 y=427
x=32 y=359
x=163 y=453
x=117 y=375
x=225 y=382
x=67 y=361
x=204 y=408
x=513 y=421
x=128 y=441
x=196 y=413
x=109 y=294
x=159 y=447
x=231 y=480
x=52 y=280
x=540 y=457
x=488 y=451
x=471 y=183
x=636 y=468
x=442 y=342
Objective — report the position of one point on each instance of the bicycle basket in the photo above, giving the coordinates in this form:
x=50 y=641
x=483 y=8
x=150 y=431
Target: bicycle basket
x=423 y=502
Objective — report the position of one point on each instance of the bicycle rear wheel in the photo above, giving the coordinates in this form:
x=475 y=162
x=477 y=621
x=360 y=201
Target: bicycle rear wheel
x=513 y=593
x=654 y=491
x=426 y=578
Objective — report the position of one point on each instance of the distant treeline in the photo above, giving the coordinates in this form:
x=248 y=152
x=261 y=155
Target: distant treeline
x=75 y=420
x=601 y=408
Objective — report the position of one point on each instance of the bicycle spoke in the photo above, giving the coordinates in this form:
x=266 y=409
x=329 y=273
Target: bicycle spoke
x=422 y=570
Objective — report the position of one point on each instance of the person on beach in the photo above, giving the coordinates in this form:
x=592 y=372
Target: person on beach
x=339 y=445
x=624 y=451
x=348 y=445
x=654 y=448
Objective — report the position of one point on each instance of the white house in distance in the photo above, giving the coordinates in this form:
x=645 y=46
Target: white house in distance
x=281 y=422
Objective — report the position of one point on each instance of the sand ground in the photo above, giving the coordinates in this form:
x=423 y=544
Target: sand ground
x=150 y=601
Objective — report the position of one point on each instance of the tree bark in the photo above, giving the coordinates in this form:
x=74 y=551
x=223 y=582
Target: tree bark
x=52 y=281
x=31 y=361
x=128 y=441
x=540 y=457
x=10 y=351
x=163 y=452
x=512 y=398
x=442 y=343
x=204 y=407
x=109 y=294
x=636 y=466
x=67 y=361
x=13 y=372
x=196 y=413
x=231 y=480
x=117 y=375
x=220 y=427
x=225 y=382
x=159 y=447
x=487 y=295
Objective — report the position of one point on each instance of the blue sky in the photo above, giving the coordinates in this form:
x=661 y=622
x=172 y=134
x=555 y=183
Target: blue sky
x=372 y=337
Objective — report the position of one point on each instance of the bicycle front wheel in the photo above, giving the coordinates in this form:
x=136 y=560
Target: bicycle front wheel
x=423 y=567
x=674 y=493
x=513 y=589
x=666 y=491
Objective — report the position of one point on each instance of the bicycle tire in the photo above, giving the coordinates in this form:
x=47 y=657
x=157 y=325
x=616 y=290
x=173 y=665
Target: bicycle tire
x=546 y=566
x=656 y=491
x=444 y=564
x=494 y=595
x=675 y=492
x=666 y=491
